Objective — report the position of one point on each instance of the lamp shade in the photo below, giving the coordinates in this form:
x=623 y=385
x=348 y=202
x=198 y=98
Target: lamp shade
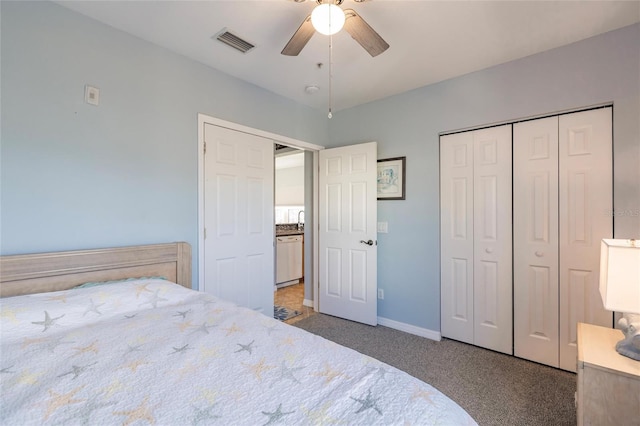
x=620 y=275
x=327 y=19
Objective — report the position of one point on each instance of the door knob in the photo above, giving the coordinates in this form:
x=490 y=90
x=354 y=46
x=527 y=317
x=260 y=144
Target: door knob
x=369 y=243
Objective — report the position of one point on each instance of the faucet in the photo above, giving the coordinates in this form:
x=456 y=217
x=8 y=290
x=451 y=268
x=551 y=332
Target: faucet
x=300 y=223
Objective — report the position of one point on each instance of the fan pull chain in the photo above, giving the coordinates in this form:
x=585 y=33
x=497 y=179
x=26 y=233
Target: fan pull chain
x=330 y=75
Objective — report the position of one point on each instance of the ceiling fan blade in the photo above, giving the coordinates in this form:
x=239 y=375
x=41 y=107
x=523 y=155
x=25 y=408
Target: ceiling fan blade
x=300 y=38
x=363 y=33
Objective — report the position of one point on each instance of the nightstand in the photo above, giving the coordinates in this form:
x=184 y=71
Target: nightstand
x=608 y=383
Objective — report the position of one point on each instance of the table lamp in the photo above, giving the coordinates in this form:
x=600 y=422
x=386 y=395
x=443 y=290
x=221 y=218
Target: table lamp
x=620 y=289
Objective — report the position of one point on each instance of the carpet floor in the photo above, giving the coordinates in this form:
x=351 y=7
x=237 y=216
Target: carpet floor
x=495 y=389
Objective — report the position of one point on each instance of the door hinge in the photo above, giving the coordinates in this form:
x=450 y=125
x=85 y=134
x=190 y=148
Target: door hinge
x=205 y=233
x=205 y=148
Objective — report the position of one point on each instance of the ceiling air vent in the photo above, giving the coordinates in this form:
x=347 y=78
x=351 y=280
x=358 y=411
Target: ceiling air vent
x=234 y=41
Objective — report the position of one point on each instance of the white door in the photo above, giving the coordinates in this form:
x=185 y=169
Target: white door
x=535 y=231
x=456 y=236
x=585 y=193
x=475 y=237
x=347 y=232
x=238 y=218
x=492 y=242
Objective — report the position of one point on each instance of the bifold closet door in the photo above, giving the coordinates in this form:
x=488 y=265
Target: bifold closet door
x=476 y=243
x=535 y=232
x=492 y=229
x=562 y=195
x=456 y=236
x=586 y=200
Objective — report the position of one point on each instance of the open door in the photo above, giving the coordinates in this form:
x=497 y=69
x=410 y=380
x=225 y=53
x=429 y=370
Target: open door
x=347 y=232
x=238 y=218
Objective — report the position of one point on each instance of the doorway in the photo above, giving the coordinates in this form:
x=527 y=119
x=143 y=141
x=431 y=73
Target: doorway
x=293 y=298
x=347 y=176
x=310 y=150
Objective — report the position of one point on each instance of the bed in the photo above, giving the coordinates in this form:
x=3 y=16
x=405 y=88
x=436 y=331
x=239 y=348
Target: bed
x=86 y=342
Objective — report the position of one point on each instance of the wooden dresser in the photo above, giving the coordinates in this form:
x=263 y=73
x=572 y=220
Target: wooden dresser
x=608 y=383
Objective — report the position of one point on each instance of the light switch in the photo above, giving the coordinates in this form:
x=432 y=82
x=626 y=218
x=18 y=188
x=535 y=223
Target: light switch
x=383 y=227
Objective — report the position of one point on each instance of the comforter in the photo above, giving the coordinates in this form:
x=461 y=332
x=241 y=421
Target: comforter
x=152 y=352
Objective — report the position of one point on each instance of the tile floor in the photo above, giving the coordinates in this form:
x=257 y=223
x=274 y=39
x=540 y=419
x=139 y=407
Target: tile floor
x=292 y=297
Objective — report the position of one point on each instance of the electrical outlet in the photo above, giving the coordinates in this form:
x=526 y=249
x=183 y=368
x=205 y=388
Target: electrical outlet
x=380 y=293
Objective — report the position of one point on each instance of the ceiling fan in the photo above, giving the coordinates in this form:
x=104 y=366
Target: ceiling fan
x=329 y=14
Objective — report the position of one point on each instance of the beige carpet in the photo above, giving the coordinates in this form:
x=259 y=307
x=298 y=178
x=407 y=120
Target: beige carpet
x=495 y=389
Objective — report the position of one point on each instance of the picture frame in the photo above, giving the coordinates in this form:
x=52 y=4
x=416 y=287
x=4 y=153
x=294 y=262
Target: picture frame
x=391 y=178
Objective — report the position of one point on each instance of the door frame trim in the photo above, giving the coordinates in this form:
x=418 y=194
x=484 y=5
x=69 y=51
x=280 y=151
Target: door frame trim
x=283 y=140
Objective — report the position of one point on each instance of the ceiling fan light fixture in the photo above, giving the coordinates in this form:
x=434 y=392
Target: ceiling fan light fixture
x=327 y=19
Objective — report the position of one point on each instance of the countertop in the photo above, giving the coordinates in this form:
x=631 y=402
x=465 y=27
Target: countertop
x=289 y=232
x=287 y=229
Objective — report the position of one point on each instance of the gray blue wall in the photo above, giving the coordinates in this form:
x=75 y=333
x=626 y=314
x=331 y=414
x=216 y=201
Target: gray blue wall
x=598 y=70
x=76 y=176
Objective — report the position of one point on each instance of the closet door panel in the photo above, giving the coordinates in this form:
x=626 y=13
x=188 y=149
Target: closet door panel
x=456 y=236
x=535 y=232
x=585 y=184
x=492 y=239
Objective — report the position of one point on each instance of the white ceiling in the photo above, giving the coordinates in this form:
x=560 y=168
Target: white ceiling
x=430 y=41
x=289 y=160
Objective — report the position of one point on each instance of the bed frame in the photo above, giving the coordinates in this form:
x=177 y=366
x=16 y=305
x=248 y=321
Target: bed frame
x=43 y=272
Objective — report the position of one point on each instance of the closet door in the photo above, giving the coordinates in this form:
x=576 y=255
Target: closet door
x=456 y=236
x=535 y=232
x=585 y=184
x=476 y=247
x=492 y=242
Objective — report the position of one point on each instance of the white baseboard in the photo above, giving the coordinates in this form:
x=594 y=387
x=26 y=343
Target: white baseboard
x=411 y=329
x=307 y=302
x=287 y=283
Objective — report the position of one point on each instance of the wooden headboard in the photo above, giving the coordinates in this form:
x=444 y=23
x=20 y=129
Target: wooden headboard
x=42 y=272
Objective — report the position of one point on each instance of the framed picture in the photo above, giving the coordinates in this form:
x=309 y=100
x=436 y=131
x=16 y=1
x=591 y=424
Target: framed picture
x=391 y=178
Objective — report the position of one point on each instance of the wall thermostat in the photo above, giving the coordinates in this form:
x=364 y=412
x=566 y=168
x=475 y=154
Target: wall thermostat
x=91 y=95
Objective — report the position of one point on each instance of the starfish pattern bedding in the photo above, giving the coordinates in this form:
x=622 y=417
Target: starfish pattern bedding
x=152 y=352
